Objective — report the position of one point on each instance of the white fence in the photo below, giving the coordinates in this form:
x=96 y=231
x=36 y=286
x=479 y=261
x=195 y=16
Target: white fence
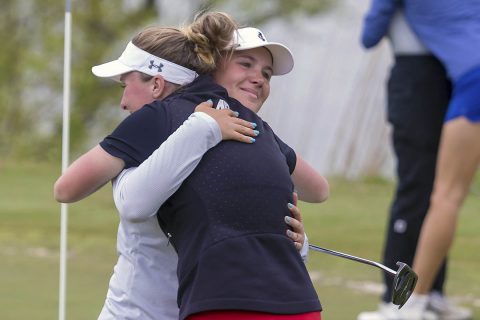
x=331 y=107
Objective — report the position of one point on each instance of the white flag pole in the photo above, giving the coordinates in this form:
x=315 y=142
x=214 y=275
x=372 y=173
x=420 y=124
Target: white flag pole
x=65 y=152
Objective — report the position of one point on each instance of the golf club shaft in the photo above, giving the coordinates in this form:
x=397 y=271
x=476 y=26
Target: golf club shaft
x=350 y=257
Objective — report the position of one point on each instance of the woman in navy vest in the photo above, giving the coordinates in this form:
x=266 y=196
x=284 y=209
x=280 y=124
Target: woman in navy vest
x=226 y=220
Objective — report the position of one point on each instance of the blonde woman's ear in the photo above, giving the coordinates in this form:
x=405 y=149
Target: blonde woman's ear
x=159 y=87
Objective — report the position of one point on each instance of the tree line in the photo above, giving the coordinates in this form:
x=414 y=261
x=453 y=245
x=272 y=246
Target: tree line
x=31 y=61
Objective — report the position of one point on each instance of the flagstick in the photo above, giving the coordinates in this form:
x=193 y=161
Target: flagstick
x=65 y=152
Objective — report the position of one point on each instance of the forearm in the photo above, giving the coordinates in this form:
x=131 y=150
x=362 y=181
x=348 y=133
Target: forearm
x=310 y=185
x=140 y=192
x=377 y=21
x=86 y=175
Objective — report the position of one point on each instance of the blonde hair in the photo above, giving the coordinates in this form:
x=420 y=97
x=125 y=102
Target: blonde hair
x=198 y=46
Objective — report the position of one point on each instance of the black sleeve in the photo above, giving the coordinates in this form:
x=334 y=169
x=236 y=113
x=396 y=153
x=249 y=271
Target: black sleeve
x=288 y=152
x=141 y=133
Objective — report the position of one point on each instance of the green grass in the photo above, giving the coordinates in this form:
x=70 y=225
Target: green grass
x=29 y=246
x=351 y=221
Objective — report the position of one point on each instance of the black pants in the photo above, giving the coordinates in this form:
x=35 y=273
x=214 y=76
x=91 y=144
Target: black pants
x=418 y=95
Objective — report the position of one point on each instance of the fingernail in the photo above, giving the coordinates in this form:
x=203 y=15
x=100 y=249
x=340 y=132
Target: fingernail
x=252 y=140
x=236 y=113
x=290 y=206
x=256 y=132
x=210 y=101
x=288 y=219
x=289 y=233
x=254 y=125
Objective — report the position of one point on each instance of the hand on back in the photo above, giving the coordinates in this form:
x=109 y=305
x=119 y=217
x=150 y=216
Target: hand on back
x=232 y=127
x=297 y=232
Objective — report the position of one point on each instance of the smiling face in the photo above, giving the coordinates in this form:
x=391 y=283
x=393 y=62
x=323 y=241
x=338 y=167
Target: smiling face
x=246 y=76
x=136 y=91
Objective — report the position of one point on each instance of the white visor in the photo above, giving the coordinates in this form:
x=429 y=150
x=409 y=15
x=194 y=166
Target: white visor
x=250 y=38
x=136 y=59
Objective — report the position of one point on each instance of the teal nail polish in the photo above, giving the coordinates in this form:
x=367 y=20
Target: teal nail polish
x=210 y=101
x=236 y=113
x=256 y=132
x=252 y=140
x=289 y=233
x=290 y=206
x=287 y=219
x=254 y=125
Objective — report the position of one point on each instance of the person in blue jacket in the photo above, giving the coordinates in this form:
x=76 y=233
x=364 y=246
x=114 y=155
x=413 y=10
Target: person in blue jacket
x=448 y=29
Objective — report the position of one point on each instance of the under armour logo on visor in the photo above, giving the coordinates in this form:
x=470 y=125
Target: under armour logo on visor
x=153 y=65
x=261 y=36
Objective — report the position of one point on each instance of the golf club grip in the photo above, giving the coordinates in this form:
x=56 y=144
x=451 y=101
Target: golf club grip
x=353 y=258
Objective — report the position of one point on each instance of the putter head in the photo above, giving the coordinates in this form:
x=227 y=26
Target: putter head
x=403 y=284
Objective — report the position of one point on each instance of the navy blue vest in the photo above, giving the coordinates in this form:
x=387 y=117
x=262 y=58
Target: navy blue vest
x=227 y=219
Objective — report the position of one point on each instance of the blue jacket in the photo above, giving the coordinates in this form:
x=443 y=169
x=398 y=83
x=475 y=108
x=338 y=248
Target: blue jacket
x=450 y=29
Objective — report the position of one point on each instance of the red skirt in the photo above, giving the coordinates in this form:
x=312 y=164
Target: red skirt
x=252 y=315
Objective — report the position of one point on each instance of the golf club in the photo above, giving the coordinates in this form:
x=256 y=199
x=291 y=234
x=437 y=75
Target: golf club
x=404 y=280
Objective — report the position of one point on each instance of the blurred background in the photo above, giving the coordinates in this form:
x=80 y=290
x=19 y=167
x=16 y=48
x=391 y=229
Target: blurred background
x=330 y=109
x=321 y=108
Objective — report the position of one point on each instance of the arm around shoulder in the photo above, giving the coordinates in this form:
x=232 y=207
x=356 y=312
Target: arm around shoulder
x=139 y=192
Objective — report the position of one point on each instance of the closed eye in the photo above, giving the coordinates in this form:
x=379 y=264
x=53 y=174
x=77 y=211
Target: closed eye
x=245 y=64
x=267 y=75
